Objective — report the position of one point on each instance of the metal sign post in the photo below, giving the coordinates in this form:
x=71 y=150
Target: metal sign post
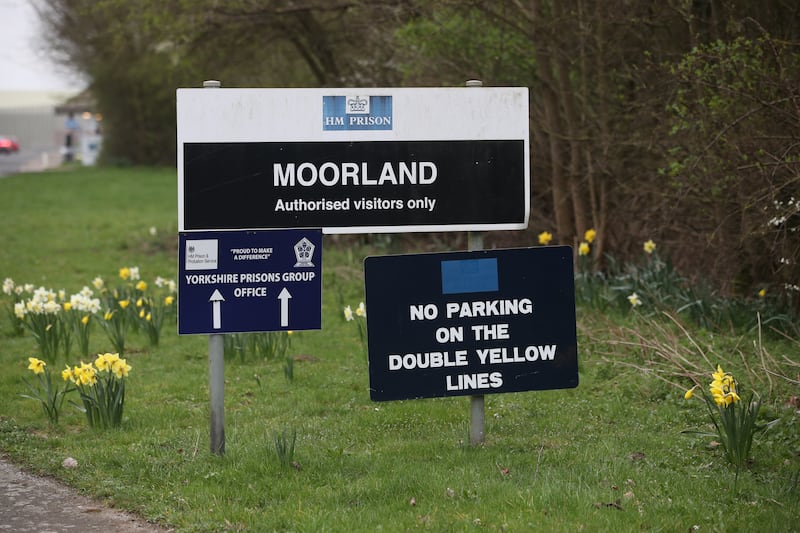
x=477 y=408
x=216 y=389
x=216 y=369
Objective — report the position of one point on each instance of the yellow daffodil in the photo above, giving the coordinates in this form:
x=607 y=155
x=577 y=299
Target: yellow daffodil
x=102 y=362
x=762 y=293
x=124 y=303
x=141 y=313
x=120 y=368
x=108 y=316
x=168 y=300
x=85 y=320
x=723 y=388
x=719 y=375
x=649 y=246
x=67 y=306
x=148 y=317
x=141 y=286
x=545 y=237
x=689 y=393
x=590 y=235
x=36 y=365
x=89 y=378
x=140 y=302
x=67 y=374
x=125 y=273
x=85 y=374
x=8 y=285
x=584 y=248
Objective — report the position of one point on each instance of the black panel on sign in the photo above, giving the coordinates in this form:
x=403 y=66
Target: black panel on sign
x=234 y=185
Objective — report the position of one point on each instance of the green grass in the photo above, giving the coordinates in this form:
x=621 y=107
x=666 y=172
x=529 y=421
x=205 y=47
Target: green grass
x=607 y=456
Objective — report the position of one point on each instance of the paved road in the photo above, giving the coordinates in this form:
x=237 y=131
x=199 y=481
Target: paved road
x=33 y=159
x=35 y=504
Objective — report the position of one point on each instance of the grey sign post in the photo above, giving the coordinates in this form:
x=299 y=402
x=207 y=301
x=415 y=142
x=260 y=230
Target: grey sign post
x=477 y=404
x=216 y=370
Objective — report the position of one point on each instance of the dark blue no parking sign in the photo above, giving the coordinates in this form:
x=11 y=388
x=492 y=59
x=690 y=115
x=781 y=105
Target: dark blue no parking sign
x=471 y=323
x=248 y=281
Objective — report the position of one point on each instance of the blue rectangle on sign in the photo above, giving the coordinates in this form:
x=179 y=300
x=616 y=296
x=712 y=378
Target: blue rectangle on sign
x=356 y=112
x=469 y=275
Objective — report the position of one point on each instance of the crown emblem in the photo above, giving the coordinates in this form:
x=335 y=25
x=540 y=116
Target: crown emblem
x=357 y=104
x=304 y=253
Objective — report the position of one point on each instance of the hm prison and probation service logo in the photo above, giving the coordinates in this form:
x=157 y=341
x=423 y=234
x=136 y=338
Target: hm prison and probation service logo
x=356 y=112
x=304 y=253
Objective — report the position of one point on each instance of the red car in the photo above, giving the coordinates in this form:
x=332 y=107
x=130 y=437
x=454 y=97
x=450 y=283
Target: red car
x=8 y=145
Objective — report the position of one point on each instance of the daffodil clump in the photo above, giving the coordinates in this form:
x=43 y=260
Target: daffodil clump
x=101 y=386
x=115 y=323
x=628 y=286
x=585 y=274
x=41 y=315
x=50 y=395
x=135 y=304
x=585 y=247
x=733 y=418
x=153 y=305
x=55 y=320
x=79 y=313
x=359 y=316
x=590 y=284
x=119 y=315
x=17 y=294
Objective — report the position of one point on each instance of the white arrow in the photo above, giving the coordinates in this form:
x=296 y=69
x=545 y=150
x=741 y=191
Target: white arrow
x=216 y=310
x=284 y=297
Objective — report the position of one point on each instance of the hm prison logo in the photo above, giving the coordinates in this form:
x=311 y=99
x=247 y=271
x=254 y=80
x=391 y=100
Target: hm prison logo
x=357 y=105
x=356 y=112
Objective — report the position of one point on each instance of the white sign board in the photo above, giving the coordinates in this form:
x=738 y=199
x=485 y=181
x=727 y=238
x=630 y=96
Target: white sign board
x=353 y=160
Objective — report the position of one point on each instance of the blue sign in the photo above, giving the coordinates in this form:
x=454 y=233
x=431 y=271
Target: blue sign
x=356 y=112
x=247 y=281
x=471 y=323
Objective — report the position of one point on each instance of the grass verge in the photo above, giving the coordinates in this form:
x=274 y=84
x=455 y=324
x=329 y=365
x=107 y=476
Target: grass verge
x=608 y=455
